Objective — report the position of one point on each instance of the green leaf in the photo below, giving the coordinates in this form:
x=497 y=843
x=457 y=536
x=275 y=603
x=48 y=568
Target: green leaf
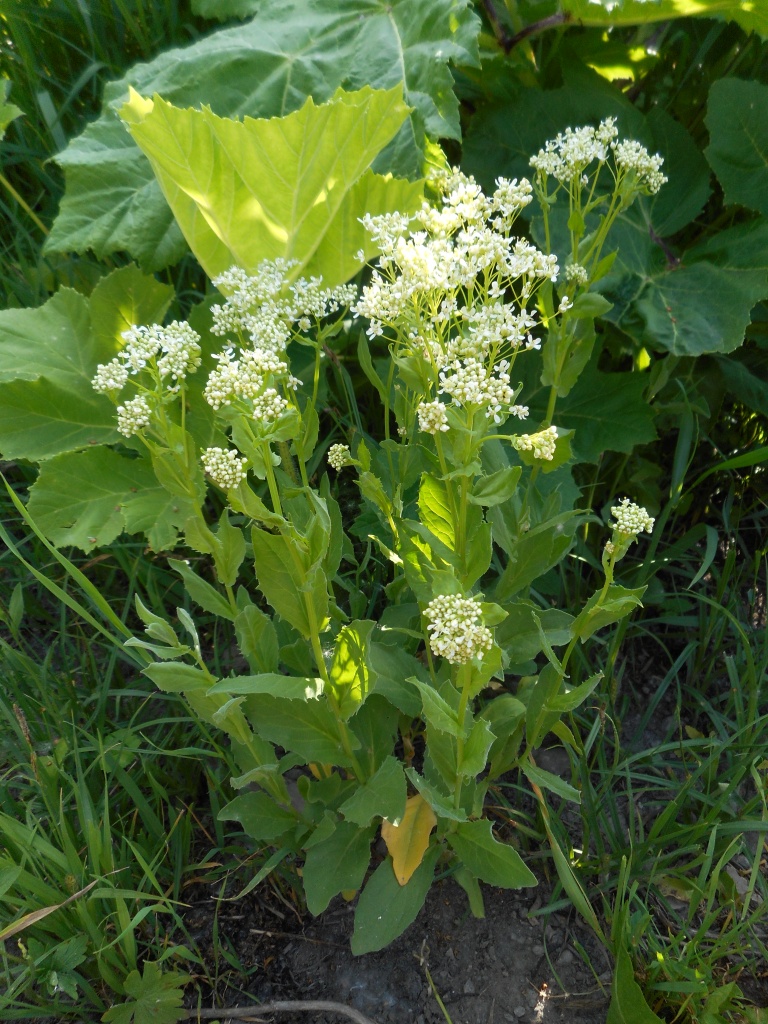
x=496 y=487
x=440 y=803
x=229 y=555
x=619 y=421
x=547 y=780
x=285 y=575
x=393 y=667
x=336 y=864
x=155 y=998
x=257 y=639
x=738 y=146
x=264 y=68
x=259 y=815
x=628 y=1005
x=538 y=717
x=350 y=673
x=615 y=605
x=531 y=555
x=305 y=727
x=488 y=859
x=201 y=592
x=48 y=357
x=475 y=754
x=8 y=111
x=382 y=796
x=89 y=498
x=273 y=684
x=124 y=299
x=751 y=16
x=437 y=712
x=293 y=187
x=435 y=510
x=519 y=636
x=575 y=697
x=173 y=677
x=386 y=908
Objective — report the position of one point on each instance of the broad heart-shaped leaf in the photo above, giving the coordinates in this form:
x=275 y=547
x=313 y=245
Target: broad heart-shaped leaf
x=266 y=67
x=386 y=908
x=126 y=298
x=488 y=859
x=382 y=796
x=154 y=997
x=336 y=864
x=89 y=498
x=260 y=816
x=738 y=141
x=751 y=16
x=293 y=187
x=408 y=841
x=48 y=357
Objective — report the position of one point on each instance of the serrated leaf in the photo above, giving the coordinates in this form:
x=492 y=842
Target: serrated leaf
x=293 y=187
x=89 y=498
x=257 y=639
x=408 y=841
x=382 y=796
x=386 y=908
x=264 y=68
x=155 y=998
x=48 y=357
x=604 y=609
x=547 y=780
x=285 y=574
x=435 y=510
x=437 y=712
x=337 y=863
x=259 y=815
x=488 y=859
x=738 y=146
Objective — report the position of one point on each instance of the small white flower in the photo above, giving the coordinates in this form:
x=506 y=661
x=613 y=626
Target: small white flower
x=133 y=416
x=432 y=417
x=456 y=630
x=226 y=467
x=543 y=444
x=631 y=519
x=111 y=376
x=338 y=456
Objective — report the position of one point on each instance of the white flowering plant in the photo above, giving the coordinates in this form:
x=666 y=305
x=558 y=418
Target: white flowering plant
x=388 y=711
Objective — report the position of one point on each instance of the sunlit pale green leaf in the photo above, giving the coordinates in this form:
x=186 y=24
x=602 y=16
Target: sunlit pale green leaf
x=265 y=67
x=292 y=187
x=751 y=15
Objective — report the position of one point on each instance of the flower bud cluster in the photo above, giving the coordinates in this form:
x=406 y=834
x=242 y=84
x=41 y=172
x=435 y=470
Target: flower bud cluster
x=631 y=519
x=226 y=467
x=456 y=630
x=432 y=417
x=543 y=444
x=575 y=272
x=339 y=457
x=174 y=350
x=133 y=416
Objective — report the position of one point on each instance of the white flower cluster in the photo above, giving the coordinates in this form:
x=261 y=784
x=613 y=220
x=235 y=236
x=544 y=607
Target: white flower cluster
x=631 y=519
x=177 y=345
x=226 y=467
x=133 y=416
x=264 y=310
x=443 y=286
x=456 y=630
x=542 y=444
x=432 y=417
x=567 y=156
x=575 y=272
x=338 y=456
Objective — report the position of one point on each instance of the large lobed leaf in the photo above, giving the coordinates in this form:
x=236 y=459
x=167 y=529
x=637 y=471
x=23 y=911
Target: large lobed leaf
x=293 y=187
x=266 y=67
x=738 y=148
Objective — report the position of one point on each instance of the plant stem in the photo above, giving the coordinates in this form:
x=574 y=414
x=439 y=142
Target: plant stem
x=274 y=493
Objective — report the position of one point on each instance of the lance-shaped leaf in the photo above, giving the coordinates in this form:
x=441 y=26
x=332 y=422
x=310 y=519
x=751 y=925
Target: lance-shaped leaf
x=292 y=187
x=408 y=841
x=488 y=859
x=351 y=675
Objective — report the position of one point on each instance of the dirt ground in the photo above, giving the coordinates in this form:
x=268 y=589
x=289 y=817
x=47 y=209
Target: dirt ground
x=512 y=966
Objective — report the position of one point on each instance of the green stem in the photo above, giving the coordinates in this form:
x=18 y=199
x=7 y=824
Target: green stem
x=464 y=680
x=274 y=493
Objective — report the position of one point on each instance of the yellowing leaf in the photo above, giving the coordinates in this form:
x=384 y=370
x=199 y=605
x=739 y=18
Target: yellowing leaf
x=408 y=842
